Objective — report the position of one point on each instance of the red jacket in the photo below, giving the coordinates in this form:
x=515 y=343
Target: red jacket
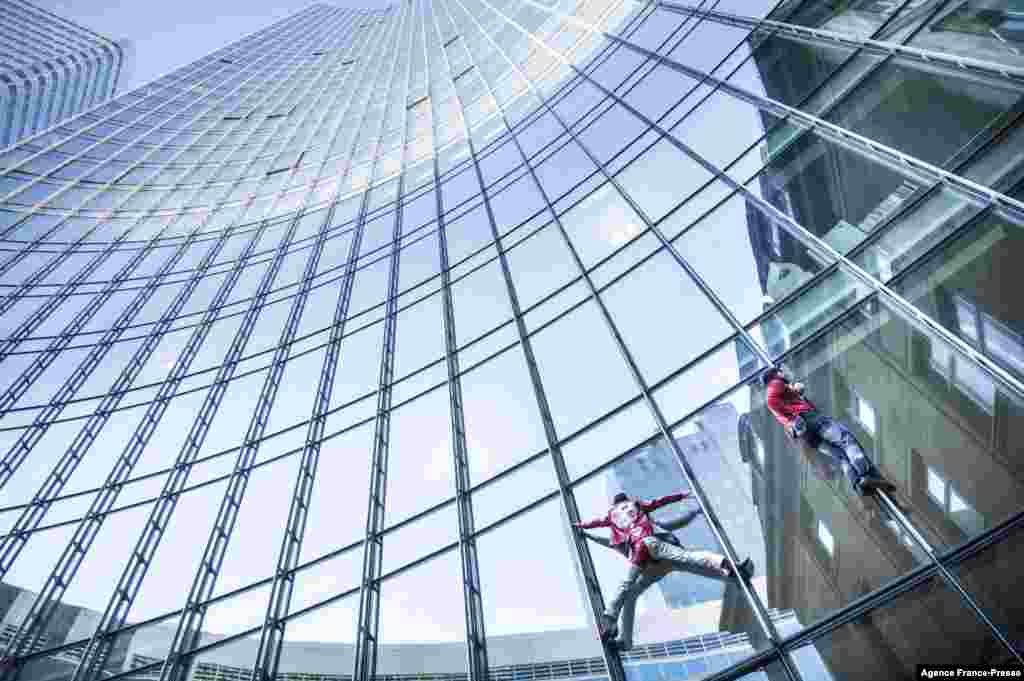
x=630 y=523
x=786 y=403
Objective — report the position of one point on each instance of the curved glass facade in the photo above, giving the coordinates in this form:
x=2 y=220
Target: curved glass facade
x=51 y=69
x=312 y=352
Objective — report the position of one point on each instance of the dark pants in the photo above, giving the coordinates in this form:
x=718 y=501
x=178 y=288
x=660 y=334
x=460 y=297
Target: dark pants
x=824 y=433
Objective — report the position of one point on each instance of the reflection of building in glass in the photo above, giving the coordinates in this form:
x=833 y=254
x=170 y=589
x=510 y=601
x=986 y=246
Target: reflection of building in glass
x=297 y=362
x=53 y=69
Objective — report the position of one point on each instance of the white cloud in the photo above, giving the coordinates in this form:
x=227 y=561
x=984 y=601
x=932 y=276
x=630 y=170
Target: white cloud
x=618 y=233
x=439 y=465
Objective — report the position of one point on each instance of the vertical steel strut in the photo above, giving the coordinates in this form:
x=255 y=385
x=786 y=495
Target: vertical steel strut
x=582 y=553
x=473 y=608
x=364 y=666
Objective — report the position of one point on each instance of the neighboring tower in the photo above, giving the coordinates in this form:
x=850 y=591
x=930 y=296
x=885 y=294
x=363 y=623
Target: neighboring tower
x=50 y=69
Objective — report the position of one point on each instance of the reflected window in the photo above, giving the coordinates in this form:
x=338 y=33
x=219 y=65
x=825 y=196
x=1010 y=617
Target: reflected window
x=955 y=507
x=966 y=376
x=1003 y=21
x=864 y=412
x=936 y=487
x=966 y=317
x=989 y=334
x=904 y=538
x=826 y=539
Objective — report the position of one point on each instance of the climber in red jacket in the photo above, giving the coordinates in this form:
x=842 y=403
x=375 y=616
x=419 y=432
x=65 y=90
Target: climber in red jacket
x=802 y=421
x=650 y=548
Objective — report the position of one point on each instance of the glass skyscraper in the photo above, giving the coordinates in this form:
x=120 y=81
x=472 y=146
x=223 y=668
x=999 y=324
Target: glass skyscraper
x=51 y=69
x=312 y=351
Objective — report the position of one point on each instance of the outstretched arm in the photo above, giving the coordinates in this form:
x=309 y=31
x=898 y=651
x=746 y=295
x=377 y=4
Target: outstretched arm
x=662 y=501
x=591 y=524
x=682 y=521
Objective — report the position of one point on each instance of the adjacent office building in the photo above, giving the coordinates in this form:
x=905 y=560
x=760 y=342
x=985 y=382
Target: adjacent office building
x=52 y=69
x=312 y=351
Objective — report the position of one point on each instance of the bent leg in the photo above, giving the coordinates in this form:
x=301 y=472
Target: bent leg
x=649 y=576
x=856 y=464
x=622 y=593
x=705 y=563
x=839 y=436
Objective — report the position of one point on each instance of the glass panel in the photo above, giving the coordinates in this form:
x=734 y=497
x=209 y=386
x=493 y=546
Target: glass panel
x=581 y=379
x=610 y=438
x=701 y=130
x=468 y=234
x=234 y=615
x=255 y=541
x=234 y=658
x=337 y=505
x=540 y=264
x=712 y=375
x=877 y=645
x=610 y=133
x=331 y=628
x=502 y=423
x=558 y=173
x=517 y=202
x=660 y=333
x=600 y=223
x=419 y=335
x=480 y=301
x=423 y=620
x=323 y=580
x=662 y=177
x=553 y=609
x=358 y=371
x=513 y=491
x=420 y=259
x=963 y=474
x=419 y=467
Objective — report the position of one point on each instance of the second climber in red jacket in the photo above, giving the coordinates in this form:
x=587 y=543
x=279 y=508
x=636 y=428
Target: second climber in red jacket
x=651 y=548
x=802 y=421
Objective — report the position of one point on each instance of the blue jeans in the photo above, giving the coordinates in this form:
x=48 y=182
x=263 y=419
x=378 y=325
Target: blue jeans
x=836 y=439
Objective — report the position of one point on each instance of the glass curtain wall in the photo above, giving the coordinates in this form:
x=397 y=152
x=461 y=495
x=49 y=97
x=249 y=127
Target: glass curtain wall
x=314 y=351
